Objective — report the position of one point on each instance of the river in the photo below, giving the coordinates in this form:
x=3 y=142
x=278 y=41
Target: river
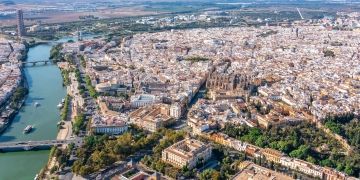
x=45 y=87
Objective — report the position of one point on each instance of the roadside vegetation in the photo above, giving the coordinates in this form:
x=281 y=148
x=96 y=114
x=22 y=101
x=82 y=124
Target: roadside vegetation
x=81 y=87
x=82 y=61
x=91 y=88
x=65 y=75
x=79 y=124
x=196 y=59
x=65 y=108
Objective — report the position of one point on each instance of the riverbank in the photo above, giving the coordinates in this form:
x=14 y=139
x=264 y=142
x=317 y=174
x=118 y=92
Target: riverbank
x=9 y=113
x=64 y=129
x=65 y=126
x=14 y=103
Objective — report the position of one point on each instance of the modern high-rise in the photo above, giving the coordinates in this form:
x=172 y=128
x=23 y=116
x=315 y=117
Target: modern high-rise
x=20 y=23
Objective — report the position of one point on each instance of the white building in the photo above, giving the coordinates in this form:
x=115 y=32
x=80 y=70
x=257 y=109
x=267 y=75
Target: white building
x=307 y=168
x=286 y=161
x=108 y=125
x=142 y=100
x=175 y=110
x=238 y=145
x=302 y=166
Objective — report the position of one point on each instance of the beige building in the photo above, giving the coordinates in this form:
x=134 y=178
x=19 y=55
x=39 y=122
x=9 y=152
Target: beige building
x=251 y=171
x=272 y=155
x=186 y=153
x=111 y=125
x=152 y=117
x=331 y=174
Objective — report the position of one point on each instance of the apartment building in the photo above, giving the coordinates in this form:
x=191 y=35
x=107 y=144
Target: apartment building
x=251 y=171
x=272 y=155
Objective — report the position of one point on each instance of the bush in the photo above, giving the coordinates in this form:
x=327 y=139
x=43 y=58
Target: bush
x=328 y=53
x=196 y=59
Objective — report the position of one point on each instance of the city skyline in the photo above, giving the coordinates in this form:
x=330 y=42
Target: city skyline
x=180 y=90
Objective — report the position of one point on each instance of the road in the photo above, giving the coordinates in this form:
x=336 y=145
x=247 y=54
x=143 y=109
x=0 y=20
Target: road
x=89 y=101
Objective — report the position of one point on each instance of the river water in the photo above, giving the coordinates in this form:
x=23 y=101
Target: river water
x=45 y=87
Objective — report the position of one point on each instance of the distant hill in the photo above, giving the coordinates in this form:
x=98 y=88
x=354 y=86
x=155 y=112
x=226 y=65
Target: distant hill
x=7 y=2
x=10 y=2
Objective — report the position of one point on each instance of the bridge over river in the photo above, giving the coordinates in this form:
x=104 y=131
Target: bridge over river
x=33 y=63
x=35 y=145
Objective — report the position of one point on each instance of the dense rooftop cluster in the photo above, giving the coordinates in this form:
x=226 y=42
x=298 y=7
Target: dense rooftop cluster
x=10 y=73
x=266 y=76
x=308 y=67
x=10 y=76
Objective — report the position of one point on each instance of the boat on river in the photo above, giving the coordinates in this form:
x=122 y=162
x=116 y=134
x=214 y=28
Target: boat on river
x=28 y=129
x=60 y=105
x=36 y=104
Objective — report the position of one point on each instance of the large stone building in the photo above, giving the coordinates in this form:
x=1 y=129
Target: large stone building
x=186 y=153
x=143 y=100
x=221 y=81
x=111 y=125
x=153 y=117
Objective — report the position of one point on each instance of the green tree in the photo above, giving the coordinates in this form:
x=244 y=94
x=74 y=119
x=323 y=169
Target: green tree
x=209 y=174
x=79 y=123
x=349 y=170
x=311 y=159
x=261 y=141
x=19 y=94
x=327 y=163
x=85 y=170
x=302 y=152
x=55 y=52
x=284 y=146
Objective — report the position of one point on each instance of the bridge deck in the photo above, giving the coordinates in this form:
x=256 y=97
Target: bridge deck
x=24 y=144
x=31 y=62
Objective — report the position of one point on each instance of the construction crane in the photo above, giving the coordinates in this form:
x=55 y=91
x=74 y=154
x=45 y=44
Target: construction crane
x=299 y=13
